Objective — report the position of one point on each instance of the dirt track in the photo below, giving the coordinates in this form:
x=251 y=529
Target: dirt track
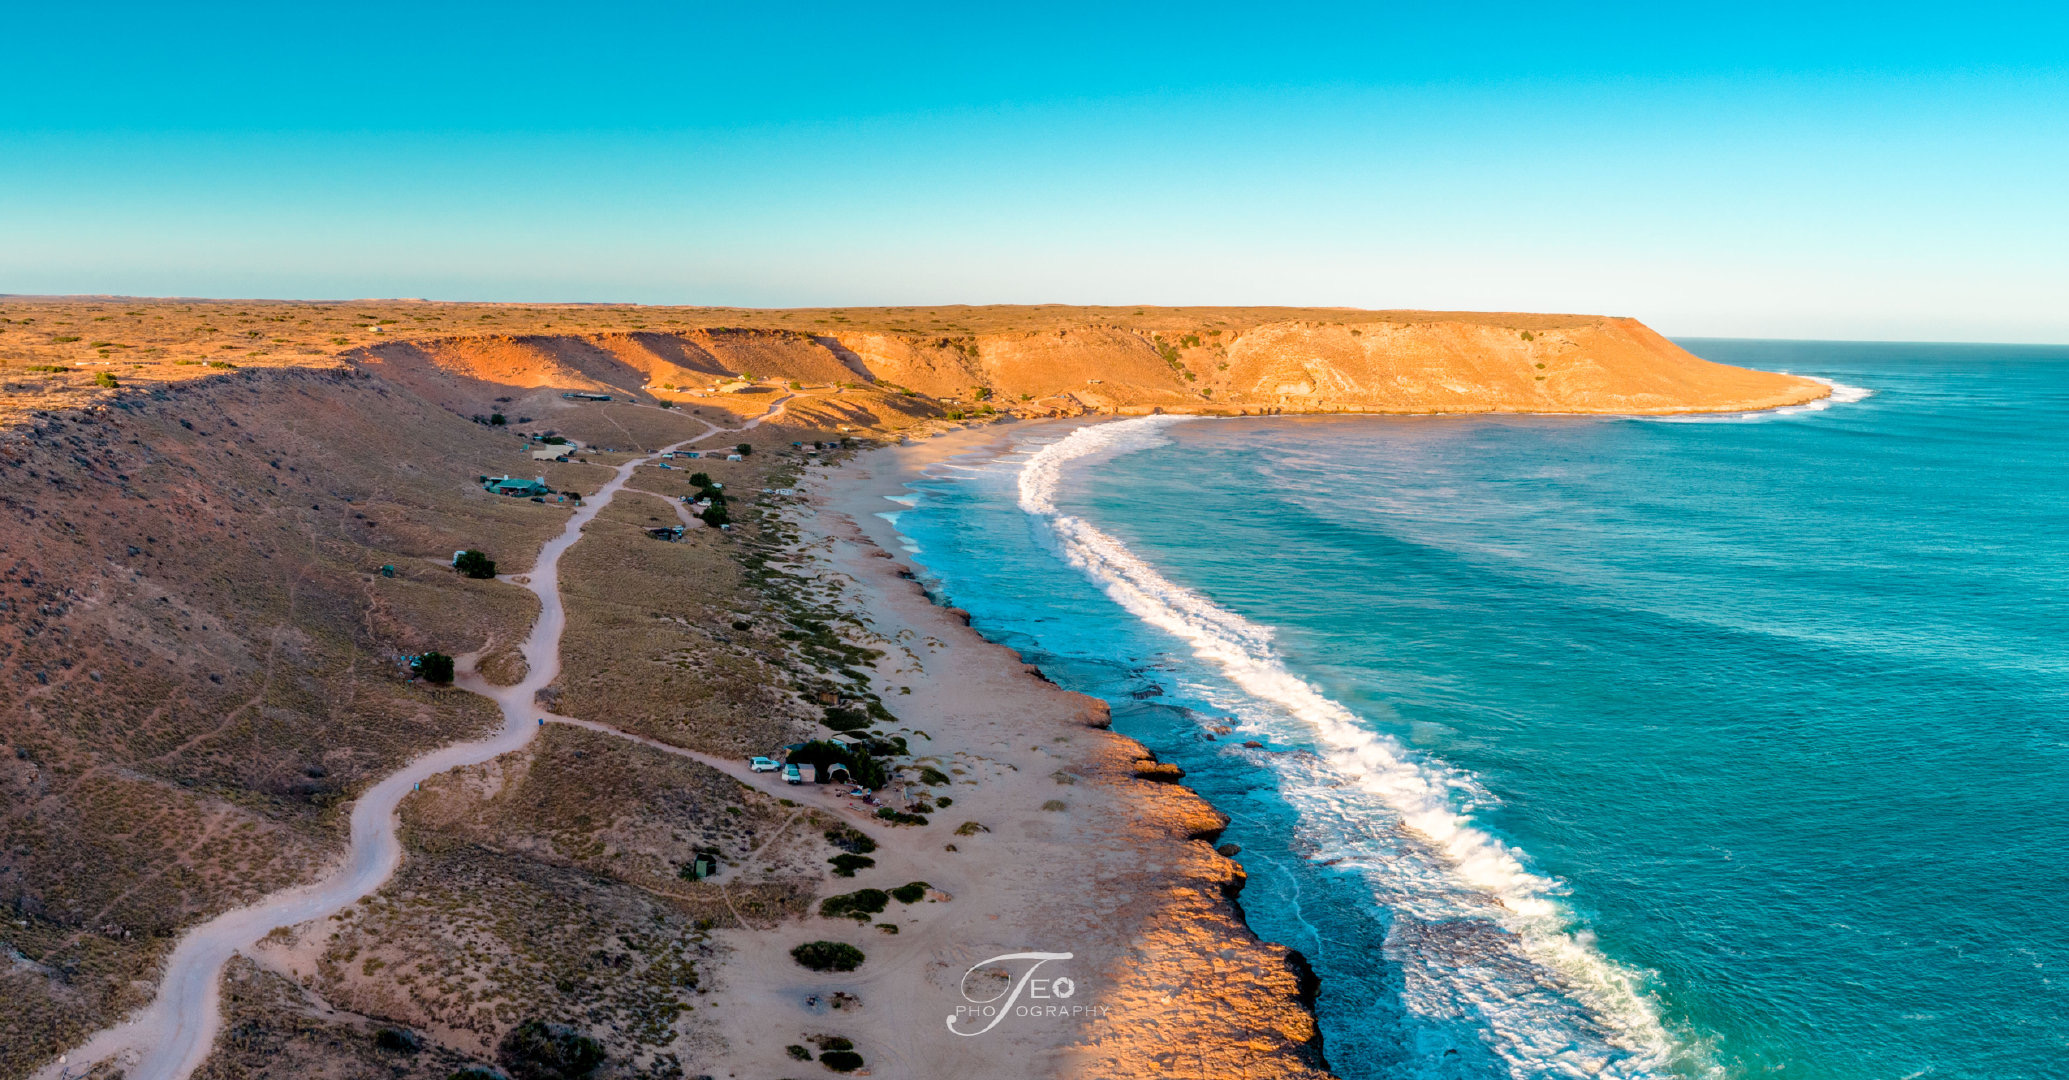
x=171 y=1037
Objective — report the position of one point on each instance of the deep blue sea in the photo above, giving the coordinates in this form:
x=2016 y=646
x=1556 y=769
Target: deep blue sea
x=1722 y=746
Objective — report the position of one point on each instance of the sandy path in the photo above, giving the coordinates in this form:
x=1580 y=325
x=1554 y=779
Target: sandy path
x=173 y=1035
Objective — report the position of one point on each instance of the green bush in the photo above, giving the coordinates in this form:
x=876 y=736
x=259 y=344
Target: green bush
x=434 y=667
x=841 y=1061
x=899 y=817
x=744 y=449
x=797 y=1052
x=105 y=379
x=536 y=1050
x=474 y=564
x=858 y=905
x=827 y=956
x=845 y=865
x=497 y=419
x=912 y=892
x=931 y=775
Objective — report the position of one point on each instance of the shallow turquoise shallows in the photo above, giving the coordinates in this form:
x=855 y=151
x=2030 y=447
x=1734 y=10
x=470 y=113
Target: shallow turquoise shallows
x=1728 y=746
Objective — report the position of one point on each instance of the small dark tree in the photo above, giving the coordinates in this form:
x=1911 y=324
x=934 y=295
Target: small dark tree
x=869 y=772
x=744 y=449
x=434 y=667
x=827 y=956
x=497 y=419
x=700 y=480
x=474 y=564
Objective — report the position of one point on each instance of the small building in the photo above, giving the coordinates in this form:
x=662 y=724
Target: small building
x=733 y=457
x=516 y=488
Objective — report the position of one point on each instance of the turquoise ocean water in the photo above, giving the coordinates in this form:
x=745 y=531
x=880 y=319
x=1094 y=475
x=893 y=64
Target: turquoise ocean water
x=1725 y=746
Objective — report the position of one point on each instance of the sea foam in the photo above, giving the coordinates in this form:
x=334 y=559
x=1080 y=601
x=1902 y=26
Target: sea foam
x=1371 y=806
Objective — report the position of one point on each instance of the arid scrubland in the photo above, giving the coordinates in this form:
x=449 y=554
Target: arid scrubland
x=227 y=525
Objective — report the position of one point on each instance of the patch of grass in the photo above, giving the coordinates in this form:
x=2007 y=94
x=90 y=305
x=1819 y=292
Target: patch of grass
x=1055 y=805
x=912 y=892
x=970 y=828
x=899 y=817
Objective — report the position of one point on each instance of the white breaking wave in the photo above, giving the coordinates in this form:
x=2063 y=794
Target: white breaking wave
x=1842 y=394
x=1419 y=794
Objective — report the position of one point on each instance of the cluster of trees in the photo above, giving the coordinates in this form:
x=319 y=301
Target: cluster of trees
x=715 y=514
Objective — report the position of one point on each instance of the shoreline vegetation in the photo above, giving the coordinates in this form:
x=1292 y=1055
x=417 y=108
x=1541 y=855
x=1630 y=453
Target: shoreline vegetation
x=204 y=678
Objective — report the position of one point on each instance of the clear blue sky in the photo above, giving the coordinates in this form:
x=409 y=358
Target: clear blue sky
x=1874 y=171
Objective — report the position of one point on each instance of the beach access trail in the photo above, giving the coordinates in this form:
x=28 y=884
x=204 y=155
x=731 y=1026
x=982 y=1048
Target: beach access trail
x=170 y=1038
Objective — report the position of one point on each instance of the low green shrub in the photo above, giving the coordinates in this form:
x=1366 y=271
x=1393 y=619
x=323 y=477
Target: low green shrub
x=827 y=956
x=845 y=864
x=858 y=905
x=536 y=1050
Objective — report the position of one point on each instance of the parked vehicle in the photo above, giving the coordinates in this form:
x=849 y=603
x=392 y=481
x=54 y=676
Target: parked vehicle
x=792 y=775
x=762 y=764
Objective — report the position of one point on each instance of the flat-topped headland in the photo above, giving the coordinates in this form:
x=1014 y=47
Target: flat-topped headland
x=948 y=361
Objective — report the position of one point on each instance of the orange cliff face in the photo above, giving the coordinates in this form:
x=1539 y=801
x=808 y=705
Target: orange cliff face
x=915 y=362
x=1460 y=364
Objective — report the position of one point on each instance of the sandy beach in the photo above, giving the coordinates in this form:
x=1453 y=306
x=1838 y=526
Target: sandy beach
x=1071 y=852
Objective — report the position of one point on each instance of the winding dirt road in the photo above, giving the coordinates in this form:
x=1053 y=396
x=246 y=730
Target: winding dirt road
x=170 y=1038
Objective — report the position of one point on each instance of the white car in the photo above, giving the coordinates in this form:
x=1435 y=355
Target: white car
x=762 y=764
x=792 y=775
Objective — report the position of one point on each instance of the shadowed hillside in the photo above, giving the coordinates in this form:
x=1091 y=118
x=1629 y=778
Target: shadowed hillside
x=199 y=654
